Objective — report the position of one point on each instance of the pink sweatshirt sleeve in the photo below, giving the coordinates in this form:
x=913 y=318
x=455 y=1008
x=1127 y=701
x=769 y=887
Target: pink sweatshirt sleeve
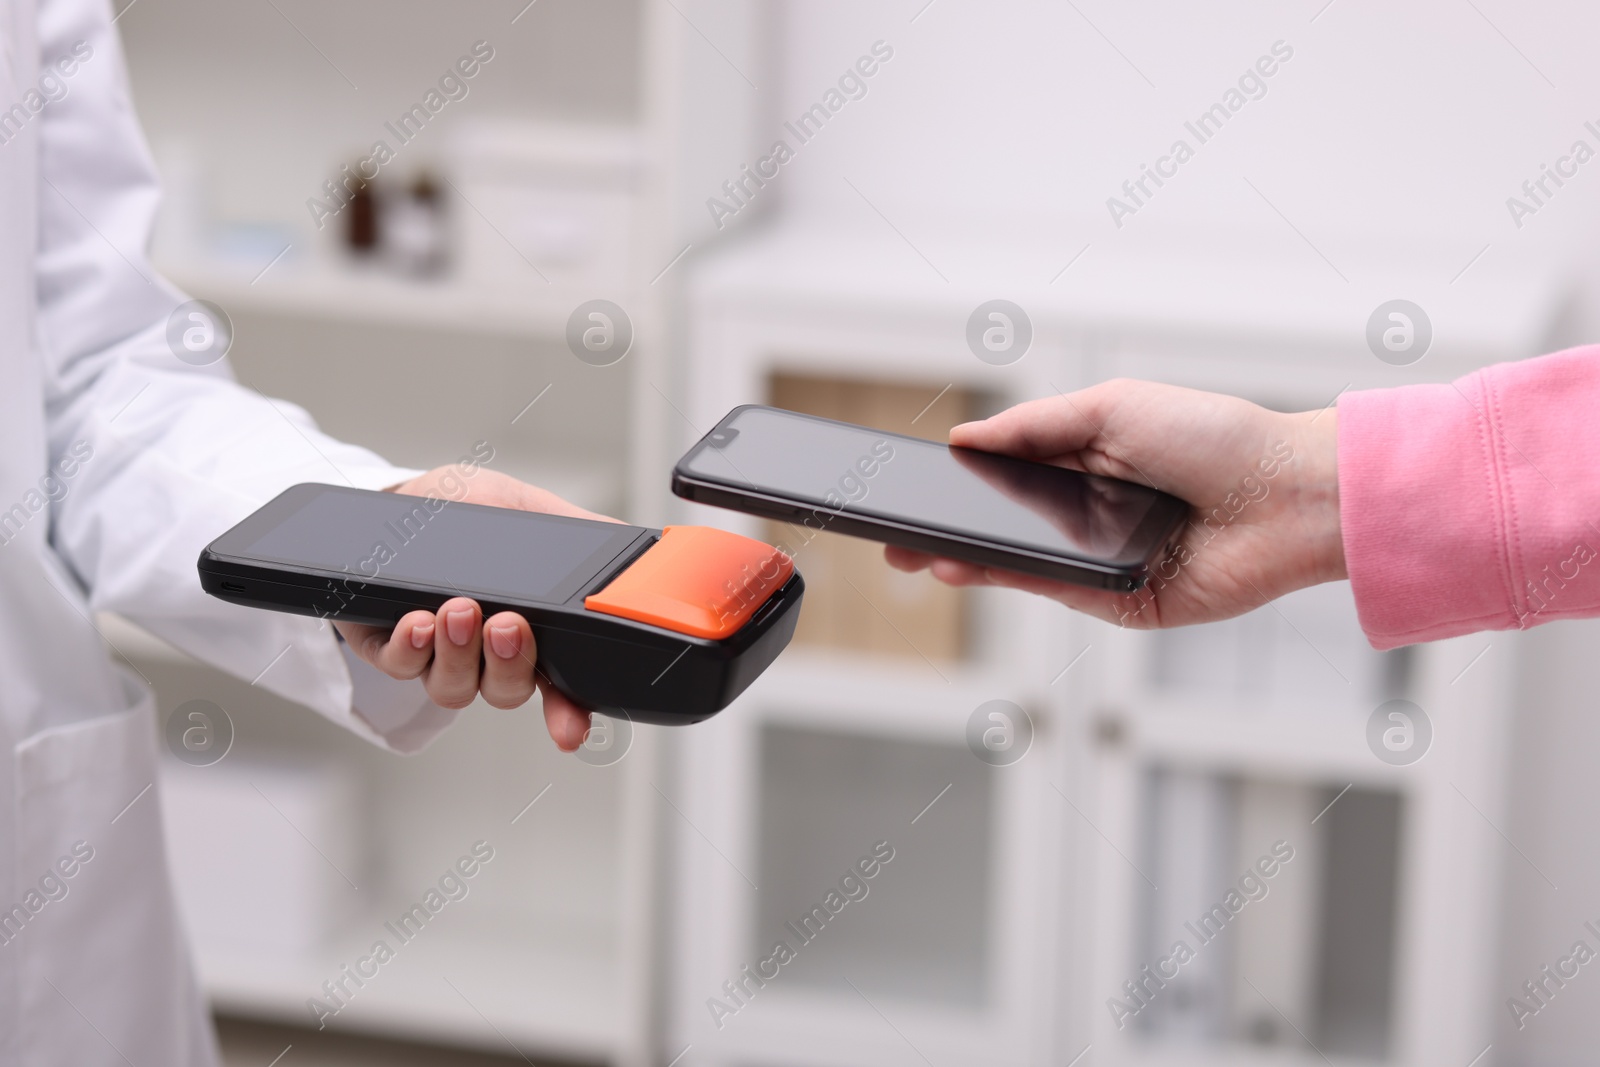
x=1475 y=505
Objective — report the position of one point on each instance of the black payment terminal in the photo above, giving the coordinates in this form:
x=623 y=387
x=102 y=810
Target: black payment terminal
x=663 y=626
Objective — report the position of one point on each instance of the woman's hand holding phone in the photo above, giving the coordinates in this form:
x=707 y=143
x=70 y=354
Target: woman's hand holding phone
x=1263 y=484
x=455 y=651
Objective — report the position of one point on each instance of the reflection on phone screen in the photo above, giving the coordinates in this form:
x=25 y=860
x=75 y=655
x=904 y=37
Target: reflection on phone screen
x=838 y=468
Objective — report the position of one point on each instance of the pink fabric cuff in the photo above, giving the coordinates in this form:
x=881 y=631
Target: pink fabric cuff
x=1474 y=506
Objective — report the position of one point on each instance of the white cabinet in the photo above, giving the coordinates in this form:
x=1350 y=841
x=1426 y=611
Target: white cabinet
x=952 y=953
x=1171 y=774
x=553 y=951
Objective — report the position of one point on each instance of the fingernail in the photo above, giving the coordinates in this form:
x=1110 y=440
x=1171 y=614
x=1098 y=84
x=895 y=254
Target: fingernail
x=577 y=730
x=504 y=640
x=458 y=624
x=422 y=636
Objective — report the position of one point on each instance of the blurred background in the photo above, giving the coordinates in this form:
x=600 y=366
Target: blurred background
x=403 y=206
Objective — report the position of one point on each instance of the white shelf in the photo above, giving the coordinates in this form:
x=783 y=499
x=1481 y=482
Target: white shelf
x=370 y=296
x=537 y=993
x=1267 y=743
x=1181 y=291
x=532 y=979
x=1151 y=1054
x=857 y=693
x=855 y=1034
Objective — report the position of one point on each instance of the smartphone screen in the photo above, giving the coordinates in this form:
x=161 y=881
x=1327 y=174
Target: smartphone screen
x=839 y=468
x=482 y=551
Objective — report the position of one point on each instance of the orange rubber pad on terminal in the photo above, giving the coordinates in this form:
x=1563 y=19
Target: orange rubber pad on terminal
x=696 y=580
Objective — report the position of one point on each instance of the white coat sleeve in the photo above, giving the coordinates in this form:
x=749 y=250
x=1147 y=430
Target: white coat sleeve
x=165 y=455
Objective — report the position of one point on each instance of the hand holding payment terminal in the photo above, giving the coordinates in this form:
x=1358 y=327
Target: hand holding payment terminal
x=663 y=626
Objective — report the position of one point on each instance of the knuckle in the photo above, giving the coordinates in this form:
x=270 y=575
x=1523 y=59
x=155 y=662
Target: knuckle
x=506 y=701
x=406 y=672
x=452 y=691
x=372 y=646
x=509 y=686
x=452 y=701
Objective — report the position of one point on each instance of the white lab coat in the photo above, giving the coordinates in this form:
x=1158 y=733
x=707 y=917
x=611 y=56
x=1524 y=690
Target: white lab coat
x=175 y=456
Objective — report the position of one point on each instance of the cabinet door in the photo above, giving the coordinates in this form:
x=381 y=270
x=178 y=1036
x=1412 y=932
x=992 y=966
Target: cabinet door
x=1225 y=742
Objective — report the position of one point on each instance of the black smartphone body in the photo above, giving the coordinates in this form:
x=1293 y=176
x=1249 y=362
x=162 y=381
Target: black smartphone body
x=664 y=626
x=989 y=509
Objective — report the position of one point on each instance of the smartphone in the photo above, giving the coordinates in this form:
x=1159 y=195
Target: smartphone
x=663 y=626
x=989 y=509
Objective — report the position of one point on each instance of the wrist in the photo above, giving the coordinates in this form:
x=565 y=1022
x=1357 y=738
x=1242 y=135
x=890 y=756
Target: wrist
x=1316 y=491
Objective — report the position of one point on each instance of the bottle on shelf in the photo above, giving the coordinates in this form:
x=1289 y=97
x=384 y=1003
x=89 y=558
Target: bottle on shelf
x=361 y=230
x=414 y=229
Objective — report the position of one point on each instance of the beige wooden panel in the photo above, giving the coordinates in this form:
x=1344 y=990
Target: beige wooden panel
x=854 y=600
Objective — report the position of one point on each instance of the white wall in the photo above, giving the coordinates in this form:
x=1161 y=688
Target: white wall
x=1392 y=127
